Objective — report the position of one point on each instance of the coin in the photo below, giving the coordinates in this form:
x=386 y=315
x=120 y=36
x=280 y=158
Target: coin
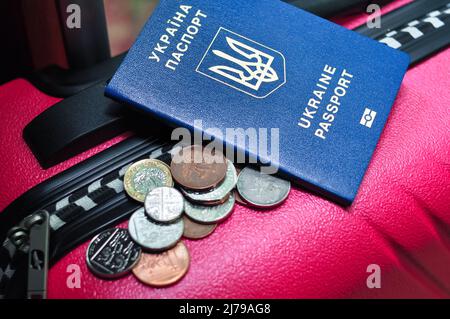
x=209 y=214
x=217 y=194
x=164 y=204
x=196 y=169
x=154 y=236
x=239 y=199
x=160 y=270
x=262 y=190
x=112 y=253
x=215 y=203
x=192 y=230
x=144 y=176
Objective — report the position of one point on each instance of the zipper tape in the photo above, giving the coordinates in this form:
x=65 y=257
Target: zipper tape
x=91 y=208
x=97 y=193
x=420 y=29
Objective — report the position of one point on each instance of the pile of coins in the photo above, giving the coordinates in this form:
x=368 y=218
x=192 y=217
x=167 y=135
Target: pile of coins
x=188 y=199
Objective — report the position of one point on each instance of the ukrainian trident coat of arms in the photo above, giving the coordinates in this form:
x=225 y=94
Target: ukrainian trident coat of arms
x=243 y=64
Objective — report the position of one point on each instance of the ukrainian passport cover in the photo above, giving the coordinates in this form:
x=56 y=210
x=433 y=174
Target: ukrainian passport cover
x=317 y=95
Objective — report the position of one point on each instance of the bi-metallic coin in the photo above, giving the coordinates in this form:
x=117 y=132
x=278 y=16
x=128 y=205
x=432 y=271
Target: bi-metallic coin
x=144 y=176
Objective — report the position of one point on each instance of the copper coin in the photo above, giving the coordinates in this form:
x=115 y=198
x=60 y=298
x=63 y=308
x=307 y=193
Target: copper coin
x=239 y=199
x=160 y=270
x=211 y=203
x=217 y=195
x=192 y=230
x=217 y=202
x=197 y=168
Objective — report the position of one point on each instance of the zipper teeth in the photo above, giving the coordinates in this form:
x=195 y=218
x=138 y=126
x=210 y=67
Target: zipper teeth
x=101 y=218
x=68 y=203
x=91 y=190
x=95 y=194
x=69 y=211
x=58 y=189
x=108 y=213
x=421 y=24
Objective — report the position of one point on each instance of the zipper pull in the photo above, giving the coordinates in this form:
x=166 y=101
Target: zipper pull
x=38 y=225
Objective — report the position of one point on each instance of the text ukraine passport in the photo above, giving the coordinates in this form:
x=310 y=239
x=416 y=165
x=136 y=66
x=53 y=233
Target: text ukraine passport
x=317 y=95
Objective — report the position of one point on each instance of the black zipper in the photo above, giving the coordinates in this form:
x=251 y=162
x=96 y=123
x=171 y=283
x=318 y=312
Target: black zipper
x=434 y=38
x=75 y=178
x=99 y=219
x=107 y=213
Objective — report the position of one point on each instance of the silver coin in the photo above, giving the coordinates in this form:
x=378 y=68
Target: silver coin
x=154 y=236
x=164 y=204
x=262 y=190
x=209 y=214
x=112 y=253
x=218 y=193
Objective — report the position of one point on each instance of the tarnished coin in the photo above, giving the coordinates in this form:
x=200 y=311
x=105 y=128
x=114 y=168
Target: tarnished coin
x=144 y=176
x=112 y=253
x=209 y=214
x=164 y=204
x=160 y=270
x=217 y=194
x=262 y=190
x=215 y=203
x=154 y=236
x=196 y=168
x=239 y=199
x=192 y=230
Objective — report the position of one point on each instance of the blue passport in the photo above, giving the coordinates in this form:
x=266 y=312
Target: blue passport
x=315 y=94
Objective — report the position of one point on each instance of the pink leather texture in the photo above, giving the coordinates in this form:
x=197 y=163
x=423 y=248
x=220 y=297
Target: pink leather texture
x=20 y=103
x=308 y=247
